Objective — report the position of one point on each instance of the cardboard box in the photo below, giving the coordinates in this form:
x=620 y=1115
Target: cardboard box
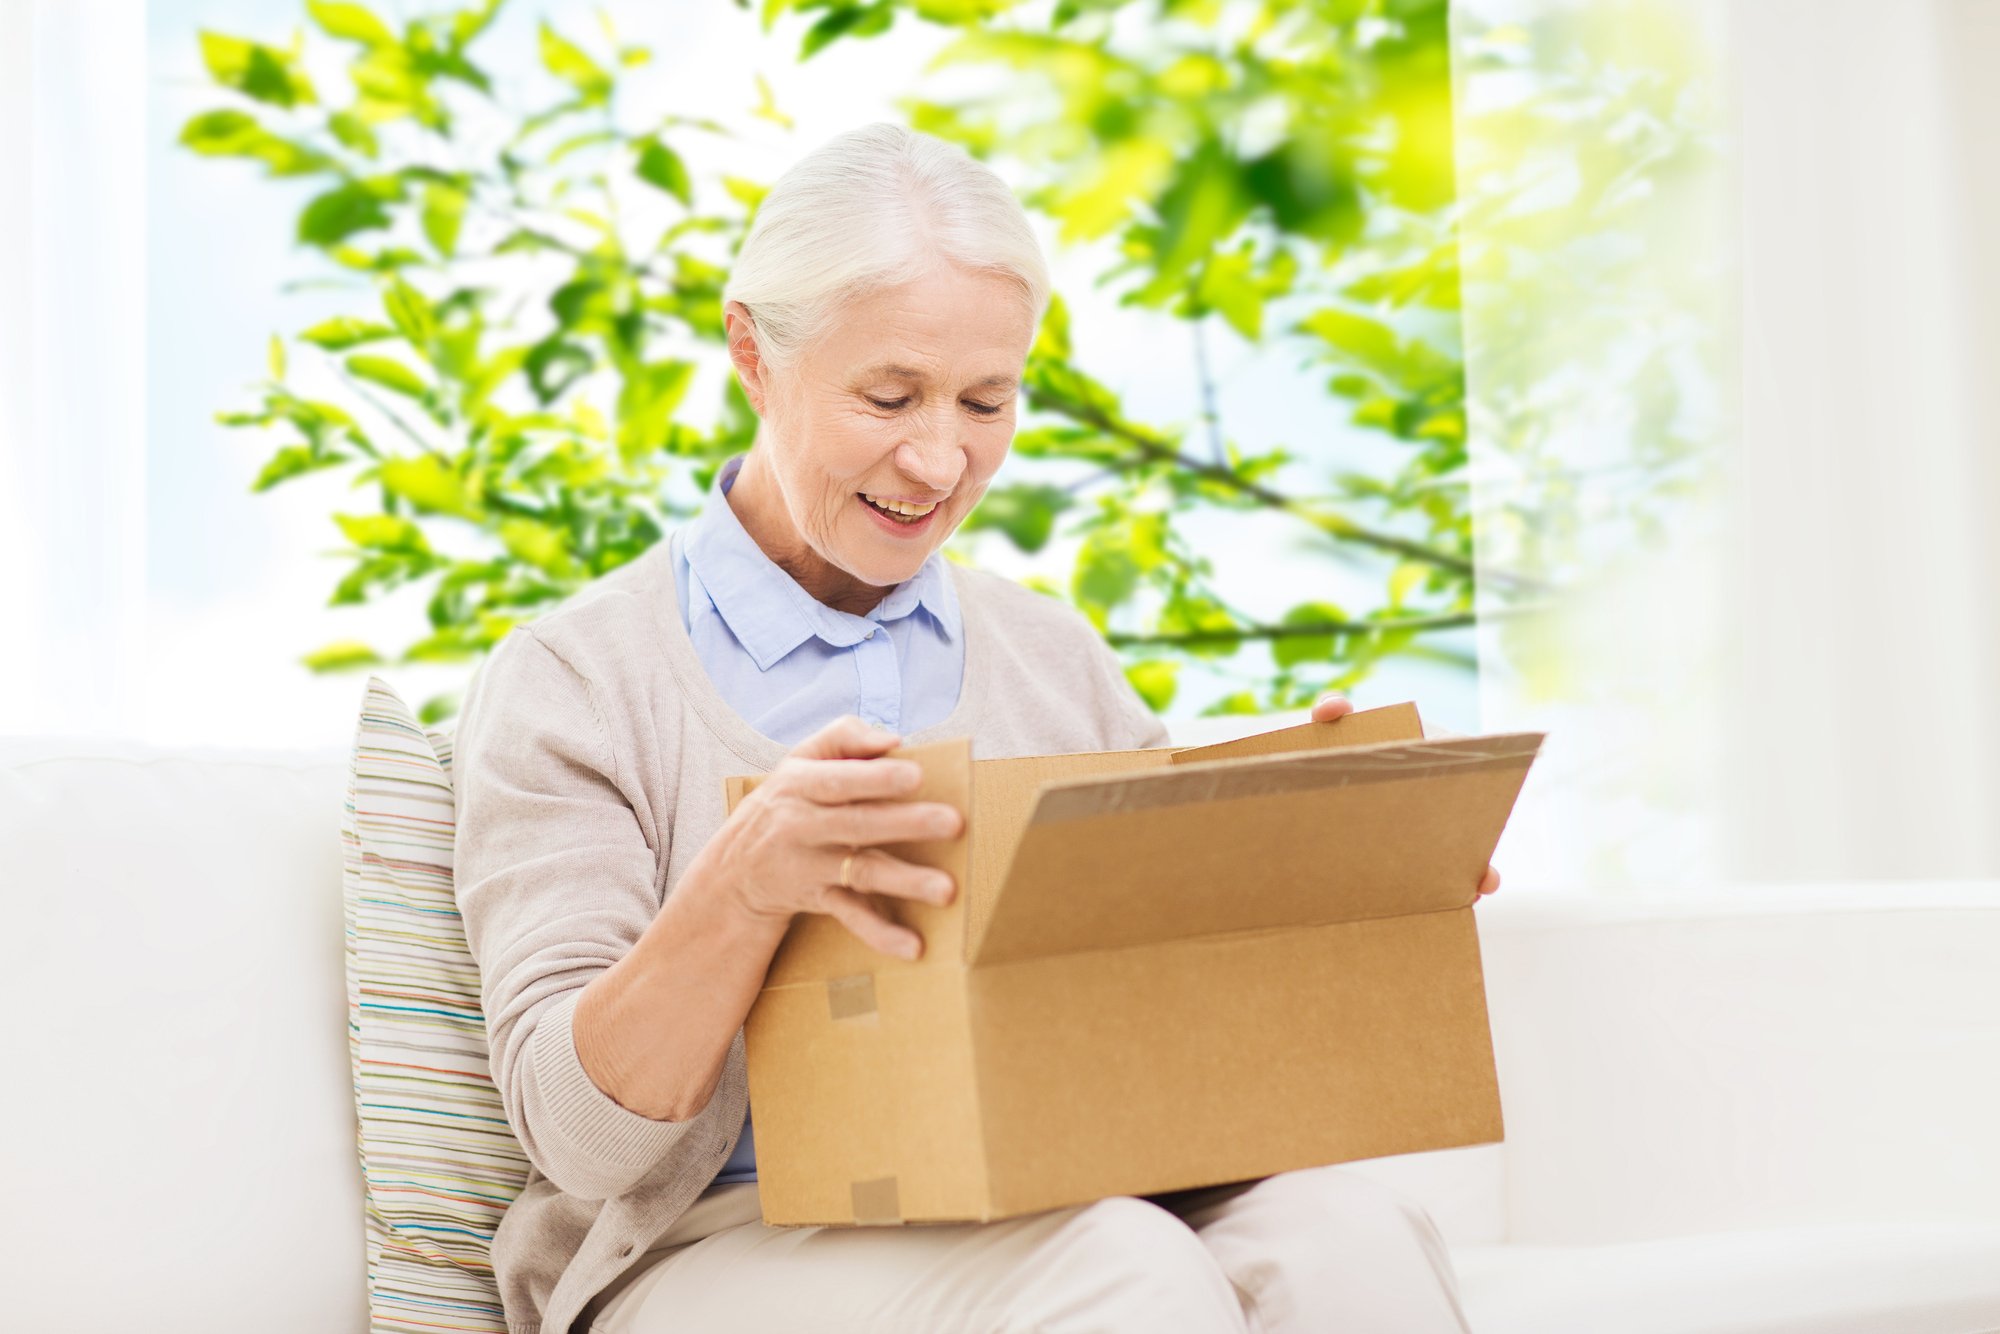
x=1164 y=968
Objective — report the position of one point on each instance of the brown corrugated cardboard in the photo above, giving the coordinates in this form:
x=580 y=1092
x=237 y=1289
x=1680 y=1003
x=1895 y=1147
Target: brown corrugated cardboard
x=1164 y=968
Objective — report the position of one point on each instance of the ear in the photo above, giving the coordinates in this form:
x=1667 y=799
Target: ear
x=742 y=338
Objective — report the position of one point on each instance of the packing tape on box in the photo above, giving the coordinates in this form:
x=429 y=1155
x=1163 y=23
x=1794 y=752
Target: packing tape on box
x=850 y=997
x=1302 y=772
x=876 y=1201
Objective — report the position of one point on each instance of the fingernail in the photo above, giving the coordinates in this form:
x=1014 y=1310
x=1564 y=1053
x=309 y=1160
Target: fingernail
x=908 y=949
x=1330 y=695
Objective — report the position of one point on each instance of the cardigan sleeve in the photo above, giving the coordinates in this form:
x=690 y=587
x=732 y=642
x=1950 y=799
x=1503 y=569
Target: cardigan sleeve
x=554 y=877
x=1130 y=723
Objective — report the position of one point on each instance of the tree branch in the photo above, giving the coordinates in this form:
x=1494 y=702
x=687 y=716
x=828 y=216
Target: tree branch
x=1447 y=621
x=1335 y=525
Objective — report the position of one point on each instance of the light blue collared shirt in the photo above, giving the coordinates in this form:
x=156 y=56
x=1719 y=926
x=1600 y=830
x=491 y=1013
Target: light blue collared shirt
x=790 y=664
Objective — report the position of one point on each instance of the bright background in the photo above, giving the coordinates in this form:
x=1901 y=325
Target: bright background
x=160 y=587
x=1790 y=673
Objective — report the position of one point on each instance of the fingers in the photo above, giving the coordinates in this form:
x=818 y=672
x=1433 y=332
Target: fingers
x=834 y=781
x=866 y=822
x=846 y=737
x=1490 y=881
x=879 y=872
x=1331 y=706
x=870 y=927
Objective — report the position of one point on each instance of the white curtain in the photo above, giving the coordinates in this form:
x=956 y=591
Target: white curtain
x=72 y=363
x=1733 y=316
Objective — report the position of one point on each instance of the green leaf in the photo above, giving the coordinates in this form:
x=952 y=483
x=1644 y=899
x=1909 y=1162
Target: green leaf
x=277 y=358
x=383 y=532
x=959 y=11
x=568 y=62
x=444 y=213
x=659 y=165
x=1052 y=340
x=355 y=133
x=238 y=134
x=553 y=365
x=1293 y=650
x=540 y=545
x=341 y=655
x=1105 y=574
x=1155 y=679
x=1403 y=580
x=391 y=85
x=1240 y=702
x=430 y=485
x=345 y=331
x=339 y=213
x=646 y=403
x=1225 y=287
x=1026 y=513
x=411 y=312
x=467 y=24
x=1198 y=212
x=1195 y=614
x=262 y=72
x=846 y=21
x=293 y=461
x=350 y=22
x=1369 y=341
x=1128 y=171
x=744 y=191
x=1308 y=183
x=389 y=373
x=450 y=644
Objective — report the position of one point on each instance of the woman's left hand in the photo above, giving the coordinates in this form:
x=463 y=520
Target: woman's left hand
x=1331 y=707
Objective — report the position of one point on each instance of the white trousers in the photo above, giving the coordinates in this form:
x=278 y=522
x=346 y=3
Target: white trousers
x=1320 y=1250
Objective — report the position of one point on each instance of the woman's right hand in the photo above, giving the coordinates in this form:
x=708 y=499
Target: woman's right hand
x=836 y=792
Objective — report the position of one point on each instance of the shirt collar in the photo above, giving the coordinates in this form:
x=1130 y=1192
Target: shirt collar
x=767 y=610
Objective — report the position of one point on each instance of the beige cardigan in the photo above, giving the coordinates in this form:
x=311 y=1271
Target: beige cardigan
x=590 y=753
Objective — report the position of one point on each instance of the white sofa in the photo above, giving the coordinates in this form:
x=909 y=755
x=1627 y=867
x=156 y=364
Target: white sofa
x=1749 y=1109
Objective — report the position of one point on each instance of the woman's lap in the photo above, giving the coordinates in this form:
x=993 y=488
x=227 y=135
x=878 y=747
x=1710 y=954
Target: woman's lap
x=1296 y=1251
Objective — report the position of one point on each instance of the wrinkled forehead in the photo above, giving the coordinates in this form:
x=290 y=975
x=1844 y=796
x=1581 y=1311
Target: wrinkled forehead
x=903 y=370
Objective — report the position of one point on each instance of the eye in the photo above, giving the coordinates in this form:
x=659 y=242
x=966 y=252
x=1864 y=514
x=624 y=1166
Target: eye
x=897 y=404
x=986 y=409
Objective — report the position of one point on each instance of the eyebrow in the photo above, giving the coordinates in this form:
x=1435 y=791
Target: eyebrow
x=912 y=373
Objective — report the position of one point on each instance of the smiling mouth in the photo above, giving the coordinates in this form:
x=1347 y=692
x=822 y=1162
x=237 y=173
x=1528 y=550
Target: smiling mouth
x=898 y=511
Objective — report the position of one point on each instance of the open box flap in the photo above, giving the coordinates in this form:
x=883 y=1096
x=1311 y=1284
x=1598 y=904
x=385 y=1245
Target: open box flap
x=1335 y=834
x=1004 y=792
x=1391 y=722
x=818 y=948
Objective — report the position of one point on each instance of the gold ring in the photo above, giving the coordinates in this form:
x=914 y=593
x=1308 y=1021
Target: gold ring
x=846 y=863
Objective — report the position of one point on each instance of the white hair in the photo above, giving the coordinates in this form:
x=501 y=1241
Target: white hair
x=875 y=207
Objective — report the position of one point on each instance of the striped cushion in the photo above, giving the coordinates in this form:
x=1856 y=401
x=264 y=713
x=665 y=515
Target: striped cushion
x=438 y=1161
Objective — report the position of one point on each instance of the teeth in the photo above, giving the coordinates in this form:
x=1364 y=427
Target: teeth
x=897 y=506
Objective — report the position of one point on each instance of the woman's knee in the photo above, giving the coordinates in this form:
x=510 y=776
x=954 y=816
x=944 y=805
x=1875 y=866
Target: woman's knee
x=1126 y=1263
x=1325 y=1248
x=1130 y=1235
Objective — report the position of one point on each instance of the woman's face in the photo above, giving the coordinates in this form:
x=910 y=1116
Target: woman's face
x=910 y=397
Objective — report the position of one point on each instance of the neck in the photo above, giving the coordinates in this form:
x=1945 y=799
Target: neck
x=759 y=507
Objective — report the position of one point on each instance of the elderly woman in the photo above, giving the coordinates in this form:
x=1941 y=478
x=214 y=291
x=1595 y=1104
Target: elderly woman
x=879 y=317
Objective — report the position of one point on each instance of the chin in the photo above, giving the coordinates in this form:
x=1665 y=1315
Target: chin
x=882 y=572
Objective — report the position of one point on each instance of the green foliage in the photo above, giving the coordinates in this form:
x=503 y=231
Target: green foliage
x=1283 y=178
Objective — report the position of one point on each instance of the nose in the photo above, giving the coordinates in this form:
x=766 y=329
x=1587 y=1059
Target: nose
x=933 y=458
